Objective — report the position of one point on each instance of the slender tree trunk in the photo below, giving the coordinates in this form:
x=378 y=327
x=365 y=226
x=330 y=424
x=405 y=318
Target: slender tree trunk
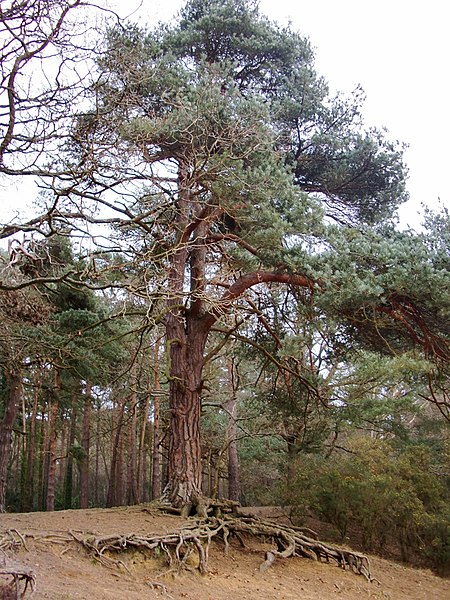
x=68 y=483
x=43 y=460
x=164 y=466
x=52 y=438
x=11 y=406
x=141 y=465
x=24 y=455
x=62 y=451
x=156 y=454
x=31 y=458
x=112 y=498
x=146 y=475
x=233 y=459
x=97 y=460
x=132 y=491
x=120 y=488
x=85 y=444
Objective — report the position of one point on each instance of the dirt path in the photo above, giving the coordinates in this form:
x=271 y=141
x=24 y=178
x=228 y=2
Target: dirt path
x=64 y=572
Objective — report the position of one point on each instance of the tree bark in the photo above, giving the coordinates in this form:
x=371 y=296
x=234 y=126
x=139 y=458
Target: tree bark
x=97 y=459
x=68 y=481
x=141 y=476
x=120 y=483
x=233 y=459
x=52 y=438
x=186 y=364
x=156 y=447
x=85 y=444
x=132 y=488
x=188 y=322
x=30 y=479
x=43 y=460
x=11 y=407
x=114 y=488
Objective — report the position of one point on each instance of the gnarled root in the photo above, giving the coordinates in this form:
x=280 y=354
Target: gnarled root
x=199 y=506
x=197 y=537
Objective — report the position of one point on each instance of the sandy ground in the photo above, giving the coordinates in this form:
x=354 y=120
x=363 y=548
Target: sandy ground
x=65 y=572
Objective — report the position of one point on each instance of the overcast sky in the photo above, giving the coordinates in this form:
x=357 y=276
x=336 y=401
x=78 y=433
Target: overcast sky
x=398 y=51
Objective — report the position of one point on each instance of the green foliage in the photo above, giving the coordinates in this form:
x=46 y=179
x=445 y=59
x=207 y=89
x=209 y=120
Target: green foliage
x=260 y=458
x=387 y=492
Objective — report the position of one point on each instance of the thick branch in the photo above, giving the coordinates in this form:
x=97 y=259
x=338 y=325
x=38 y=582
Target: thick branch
x=245 y=282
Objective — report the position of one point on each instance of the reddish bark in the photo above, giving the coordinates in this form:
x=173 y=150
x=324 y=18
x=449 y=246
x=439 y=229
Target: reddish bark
x=97 y=461
x=186 y=360
x=187 y=328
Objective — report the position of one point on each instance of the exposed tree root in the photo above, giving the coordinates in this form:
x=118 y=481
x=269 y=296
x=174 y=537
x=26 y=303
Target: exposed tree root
x=188 y=547
x=201 y=507
x=196 y=538
x=18 y=581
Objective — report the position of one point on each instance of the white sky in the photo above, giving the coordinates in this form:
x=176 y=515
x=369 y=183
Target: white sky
x=398 y=50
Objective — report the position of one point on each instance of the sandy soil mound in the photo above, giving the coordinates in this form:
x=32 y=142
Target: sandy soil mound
x=64 y=571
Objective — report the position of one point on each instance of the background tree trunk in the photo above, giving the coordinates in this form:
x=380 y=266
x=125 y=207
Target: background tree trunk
x=52 y=438
x=233 y=459
x=141 y=476
x=112 y=498
x=156 y=454
x=68 y=483
x=97 y=459
x=132 y=495
x=85 y=444
x=11 y=403
x=31 y=458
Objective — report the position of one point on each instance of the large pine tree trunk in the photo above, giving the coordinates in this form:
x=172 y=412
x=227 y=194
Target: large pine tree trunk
x=186 y=334
x=186 y=364
x=11 y=406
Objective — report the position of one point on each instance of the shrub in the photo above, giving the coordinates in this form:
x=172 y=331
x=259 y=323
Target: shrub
x=387 y=493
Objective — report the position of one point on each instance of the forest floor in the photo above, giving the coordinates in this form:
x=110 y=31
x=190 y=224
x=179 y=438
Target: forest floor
x=64 y=571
